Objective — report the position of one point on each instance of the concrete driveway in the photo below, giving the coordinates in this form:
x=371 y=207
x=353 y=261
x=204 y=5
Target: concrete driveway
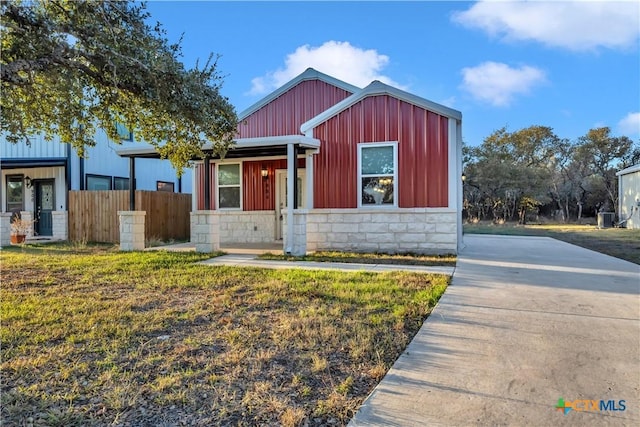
x=526 y=321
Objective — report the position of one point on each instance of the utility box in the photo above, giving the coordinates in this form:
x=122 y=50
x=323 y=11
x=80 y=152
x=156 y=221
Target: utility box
x=605 y=219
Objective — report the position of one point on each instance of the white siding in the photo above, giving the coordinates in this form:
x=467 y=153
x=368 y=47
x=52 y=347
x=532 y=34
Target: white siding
x=39 y=148
x=103 y=160
x=100 y=160
x=630 y=198
x=56 y=173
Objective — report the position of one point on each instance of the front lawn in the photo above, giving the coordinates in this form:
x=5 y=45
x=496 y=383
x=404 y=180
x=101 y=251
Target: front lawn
x=93 y=336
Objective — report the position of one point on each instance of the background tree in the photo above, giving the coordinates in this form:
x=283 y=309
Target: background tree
x=605 y=155
x=70 y=67
x=510 y=171
x=532 y=169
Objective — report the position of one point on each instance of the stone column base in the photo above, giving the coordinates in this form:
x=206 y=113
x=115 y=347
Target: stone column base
x=298 y=244
x=5 y=228
x=131 y=230
x=205 y=231
x=60 y=225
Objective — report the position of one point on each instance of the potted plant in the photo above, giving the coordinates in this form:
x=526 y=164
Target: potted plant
x=20 y=229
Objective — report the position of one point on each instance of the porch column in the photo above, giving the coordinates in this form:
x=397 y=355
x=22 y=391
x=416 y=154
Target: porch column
x=132 y=183
x=207 y=184
x=291 y=188
x=309 y=167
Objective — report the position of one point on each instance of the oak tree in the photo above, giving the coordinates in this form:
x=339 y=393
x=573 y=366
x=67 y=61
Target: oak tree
x=70 y=67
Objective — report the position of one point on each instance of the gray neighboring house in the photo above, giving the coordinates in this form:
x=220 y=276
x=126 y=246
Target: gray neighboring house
x=629 y=196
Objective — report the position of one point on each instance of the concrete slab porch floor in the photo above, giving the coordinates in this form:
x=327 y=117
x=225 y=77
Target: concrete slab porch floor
x=526 y=321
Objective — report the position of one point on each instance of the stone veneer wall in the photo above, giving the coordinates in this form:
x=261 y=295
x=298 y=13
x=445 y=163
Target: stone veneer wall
x=60 y=225
x=416 y=230
x=5 y=228
x=247 y=226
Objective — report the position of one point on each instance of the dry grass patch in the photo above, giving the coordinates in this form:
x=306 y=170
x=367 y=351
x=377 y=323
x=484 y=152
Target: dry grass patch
x=447 y=260
x=92 y=336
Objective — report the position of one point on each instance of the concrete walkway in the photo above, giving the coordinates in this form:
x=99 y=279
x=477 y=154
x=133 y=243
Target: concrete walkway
x=526 y=321
x=250 y=260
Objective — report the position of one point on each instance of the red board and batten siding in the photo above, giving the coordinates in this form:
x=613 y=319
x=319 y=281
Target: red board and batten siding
x=285 y=114
x=258 y=193
x=422 y=152
x=199 y=190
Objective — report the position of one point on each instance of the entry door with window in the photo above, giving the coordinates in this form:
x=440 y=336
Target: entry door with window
x=281 y=194
x=45 y=204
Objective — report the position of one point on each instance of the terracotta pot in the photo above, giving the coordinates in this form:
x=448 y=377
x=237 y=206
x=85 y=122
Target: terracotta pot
x=18 y=238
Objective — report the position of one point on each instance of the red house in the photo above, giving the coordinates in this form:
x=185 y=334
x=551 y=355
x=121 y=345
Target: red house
x=378 y=170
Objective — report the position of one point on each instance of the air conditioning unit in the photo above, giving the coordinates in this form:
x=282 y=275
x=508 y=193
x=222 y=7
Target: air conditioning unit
x=605 y=219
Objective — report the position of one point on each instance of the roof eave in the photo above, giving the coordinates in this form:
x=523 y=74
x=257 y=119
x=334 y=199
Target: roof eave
x=374 y=89
x=149 y=151
x=630 y=169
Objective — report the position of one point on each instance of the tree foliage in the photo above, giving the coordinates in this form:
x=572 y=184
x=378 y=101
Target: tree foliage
x=532 y=169
x=71 y=67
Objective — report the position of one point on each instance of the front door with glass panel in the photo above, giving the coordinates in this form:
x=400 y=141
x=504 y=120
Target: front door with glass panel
x=281 y=195
x=45 y=204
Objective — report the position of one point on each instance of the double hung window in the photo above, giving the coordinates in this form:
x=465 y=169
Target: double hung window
x=229 y=194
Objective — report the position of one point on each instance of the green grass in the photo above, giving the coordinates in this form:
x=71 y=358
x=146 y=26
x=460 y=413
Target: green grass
x=368 y=258
x=93 y=336
x=618 y=242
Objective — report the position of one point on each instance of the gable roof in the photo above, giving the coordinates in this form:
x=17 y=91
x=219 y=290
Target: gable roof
x=308 y=74
x=378 y=88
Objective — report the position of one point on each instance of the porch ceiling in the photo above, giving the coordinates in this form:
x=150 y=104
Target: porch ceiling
x=244 y=147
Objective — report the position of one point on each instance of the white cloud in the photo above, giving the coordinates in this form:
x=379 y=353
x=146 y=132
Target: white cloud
x=575 y=25
x=341 y=60
x=630 y=124
x=498 y=83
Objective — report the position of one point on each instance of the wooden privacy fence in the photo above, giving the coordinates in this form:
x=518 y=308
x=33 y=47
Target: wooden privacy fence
x=93 y=215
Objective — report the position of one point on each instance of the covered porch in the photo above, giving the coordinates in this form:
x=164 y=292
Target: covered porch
x=244 y=199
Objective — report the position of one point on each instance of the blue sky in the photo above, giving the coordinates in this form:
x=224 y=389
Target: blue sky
x=572 y=66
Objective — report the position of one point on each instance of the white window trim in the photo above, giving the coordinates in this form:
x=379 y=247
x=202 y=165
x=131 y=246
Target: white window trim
x=228 y=186
x=393 y=144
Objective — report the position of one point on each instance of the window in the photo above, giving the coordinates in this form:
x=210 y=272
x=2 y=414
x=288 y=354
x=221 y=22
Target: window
x=164 y=186
x=377 y=174
x=123 y=132
x=98 y=182
x=229 y=186
x=120 y=183
x=15 y=193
